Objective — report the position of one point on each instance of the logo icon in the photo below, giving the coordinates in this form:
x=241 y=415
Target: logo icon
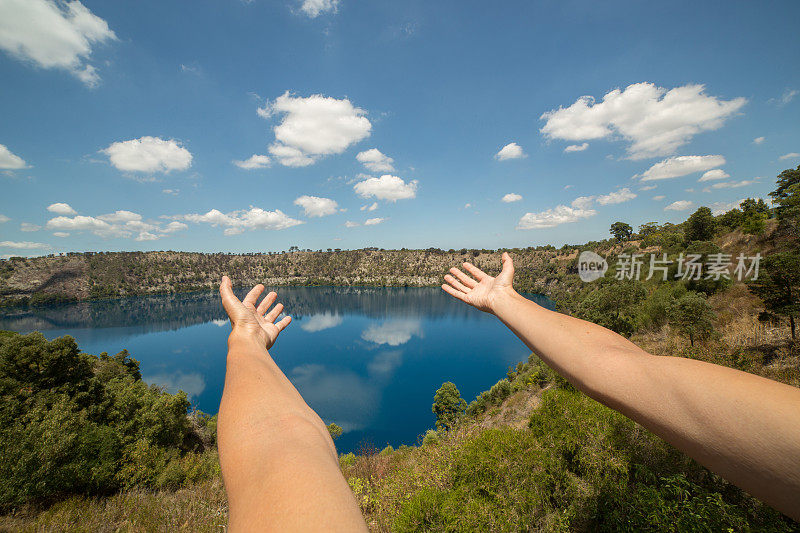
x=591 y=266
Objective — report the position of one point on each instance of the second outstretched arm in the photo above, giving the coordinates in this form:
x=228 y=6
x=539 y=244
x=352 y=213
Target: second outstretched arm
x=743 y=427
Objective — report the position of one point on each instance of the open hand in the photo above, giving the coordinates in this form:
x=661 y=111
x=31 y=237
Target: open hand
x=249 y=320
x=480 y=290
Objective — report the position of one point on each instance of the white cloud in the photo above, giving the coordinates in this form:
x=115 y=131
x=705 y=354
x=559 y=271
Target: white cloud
x=375 y=161
x=289 y=156
x=4 y=219
x=717 y=208
x=787 y=96
x=174 y=226
x=236 y=222
x=387 y=187
x=582 y=202
x=172 y=192
x=576 y=147
x=393 y=332
x=759 y=140
x=320 y=322
x=148 y=155
x=510 y=151
x=26 y=226
x=680 y=205
x=193 y=384
x=373 y=221
x=147 y=236
x=616 y=197
x=121 y=216
x=313 y=8
x=78 y=223
x=654 y=120
x=659 y=197
x=119 y=224
x=551 y=218
x=53 y=34
x=313 y=127
x=24 y=245
x=674 y=167
x=9 y=161
x=314 y=206
x=253 y=162
x=61 y=208
x=351 y=224
x=790 y=155
x=648 y=187
x=368 y=207
x=732 y=184
x=511 y=197
x=715 y=174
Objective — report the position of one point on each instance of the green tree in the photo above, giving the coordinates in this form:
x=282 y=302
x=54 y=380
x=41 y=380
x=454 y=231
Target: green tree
x=787 y=195
x=621 y=231
x=614 y=305
x=691 y=315
x=750 y=206
x=647 y=229
x=778 y=285
x=447 y=405
x=335 y=430
x=730 y=220
x=700 y=225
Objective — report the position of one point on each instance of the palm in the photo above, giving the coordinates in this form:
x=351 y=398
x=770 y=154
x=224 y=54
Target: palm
x=254 y=320
x=479 y=290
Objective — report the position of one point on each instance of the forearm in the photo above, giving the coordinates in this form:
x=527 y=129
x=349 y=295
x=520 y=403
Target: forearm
x=744 y=427
x=278 y=461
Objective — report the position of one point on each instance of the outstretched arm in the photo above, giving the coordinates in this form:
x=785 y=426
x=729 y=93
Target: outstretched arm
x=279 y=464
x=744 y=427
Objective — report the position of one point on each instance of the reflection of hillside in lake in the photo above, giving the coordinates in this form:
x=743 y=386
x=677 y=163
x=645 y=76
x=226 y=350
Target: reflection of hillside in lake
x=366 y=358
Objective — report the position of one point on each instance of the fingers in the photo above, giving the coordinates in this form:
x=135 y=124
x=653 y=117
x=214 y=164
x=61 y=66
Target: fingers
x=229 y=301
x=454 y=293
x=455 y=283
x=466 y=280
x=268 y=300
x=476 y=272
x=273 y=314
x=252 y=296
x=283 y=323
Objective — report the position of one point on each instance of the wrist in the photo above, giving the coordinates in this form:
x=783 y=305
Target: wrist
x=244 y=339
x=504 y=299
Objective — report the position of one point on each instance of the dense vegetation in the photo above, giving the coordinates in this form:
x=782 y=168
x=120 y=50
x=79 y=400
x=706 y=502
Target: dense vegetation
x=530 y=453
x=77 y=423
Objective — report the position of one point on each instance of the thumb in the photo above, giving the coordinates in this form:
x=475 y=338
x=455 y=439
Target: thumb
x=508 y=267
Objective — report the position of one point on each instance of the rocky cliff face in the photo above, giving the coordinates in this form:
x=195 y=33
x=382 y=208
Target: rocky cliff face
x=96 y=275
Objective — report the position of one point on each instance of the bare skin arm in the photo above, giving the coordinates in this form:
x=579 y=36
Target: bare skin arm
x=279 y=464
x=743 y=427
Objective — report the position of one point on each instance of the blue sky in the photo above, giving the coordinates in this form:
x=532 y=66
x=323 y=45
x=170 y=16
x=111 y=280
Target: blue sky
x=123 y=122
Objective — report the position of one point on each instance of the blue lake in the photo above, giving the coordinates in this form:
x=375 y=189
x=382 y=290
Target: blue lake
x=369 y=359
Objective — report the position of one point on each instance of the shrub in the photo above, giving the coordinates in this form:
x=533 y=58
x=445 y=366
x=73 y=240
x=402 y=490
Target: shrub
x=75 y=423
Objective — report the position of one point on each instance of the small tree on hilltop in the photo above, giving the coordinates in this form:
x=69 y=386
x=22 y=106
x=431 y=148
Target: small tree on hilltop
x=691 y=315
x=335 y=430
x=787 y=195
x=778 y=285
x=447 y=405
x=700 y=225
x=621 y=231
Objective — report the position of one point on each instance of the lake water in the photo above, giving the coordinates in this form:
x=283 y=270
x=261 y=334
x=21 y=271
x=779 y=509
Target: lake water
x=369 y=359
